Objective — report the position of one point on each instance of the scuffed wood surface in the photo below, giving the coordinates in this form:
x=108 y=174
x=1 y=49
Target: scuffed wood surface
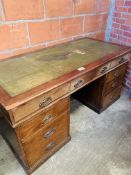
x=23 y=73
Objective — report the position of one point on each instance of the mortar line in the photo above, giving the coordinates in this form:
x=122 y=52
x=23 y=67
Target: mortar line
x=50 y=18
x=84 y=24
x=2 y=10
x=28 y=35
x=44 y=8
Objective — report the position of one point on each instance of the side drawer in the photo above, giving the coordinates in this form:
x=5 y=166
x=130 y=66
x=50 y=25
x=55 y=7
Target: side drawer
x=40 y=102
x=40 y=145
x=108 y=87
x=118 y=72
x=43 y=119
x=111 y=97
x=120 y=60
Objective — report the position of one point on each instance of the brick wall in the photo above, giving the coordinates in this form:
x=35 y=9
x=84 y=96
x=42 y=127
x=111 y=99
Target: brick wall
x=121 y=29
x=26 y=25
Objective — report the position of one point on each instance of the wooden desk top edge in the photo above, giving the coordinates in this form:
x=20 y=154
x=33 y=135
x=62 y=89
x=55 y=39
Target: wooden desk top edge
x=10 y=102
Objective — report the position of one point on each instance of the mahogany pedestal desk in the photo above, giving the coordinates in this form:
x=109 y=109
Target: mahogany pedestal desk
x=35 y=92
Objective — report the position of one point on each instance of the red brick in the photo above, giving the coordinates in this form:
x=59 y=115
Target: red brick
x=43 y=31
x=59 y=8
x=128 y=22
x=117 y=14
x=120 y=32
x=100 y=35
x=84 y=6
x=127 y=34
x=104 y=20
x=125 y=27
x=115 y=25
x=125 y=15
x=102 y=5
x=123 y=39
x=121 y=9
x=13 y=36
x=119 y=20
x=113 y=35
x=129 y=10
x=0 y=16
x=115 y=40
x=71 y=26
x=119 y=3
x=113 y=30
x=128 y=3
x=23 y=9
x=129 y=41
x=93 y=23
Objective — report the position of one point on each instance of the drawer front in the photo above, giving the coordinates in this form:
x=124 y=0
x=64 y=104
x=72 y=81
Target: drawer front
x=110 y=98
x=40 y=102
x=46 y=140
x=108 y=87
x=44 y=151
x=120 y=60
x=102 y=70
x=82 y=80
x=118 y=72
x=43 y=119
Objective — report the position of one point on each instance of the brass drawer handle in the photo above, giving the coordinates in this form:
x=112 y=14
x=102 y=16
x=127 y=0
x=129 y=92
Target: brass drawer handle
x=121 y=60
x=104 y=69
x=50 y=146
x=45 y=102
x=49 y=133
x=48 y=118
x=79 y=83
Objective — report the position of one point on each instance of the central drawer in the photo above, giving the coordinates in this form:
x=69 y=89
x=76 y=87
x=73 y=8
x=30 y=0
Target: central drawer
x=82 y=80
x=47 y=139
x=43 y=119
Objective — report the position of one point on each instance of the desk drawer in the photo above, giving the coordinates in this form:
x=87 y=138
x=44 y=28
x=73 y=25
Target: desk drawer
x=35 y=153
x=118 y=72
x=40 y=102
x=82 y=80
x=111 y=97
x=120 y=60
x=102 y=70
x=108 y=87
x=45 y=118
x=46 y=140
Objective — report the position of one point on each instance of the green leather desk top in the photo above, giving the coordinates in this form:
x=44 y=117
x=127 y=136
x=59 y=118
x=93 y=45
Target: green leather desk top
x=22 y=73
